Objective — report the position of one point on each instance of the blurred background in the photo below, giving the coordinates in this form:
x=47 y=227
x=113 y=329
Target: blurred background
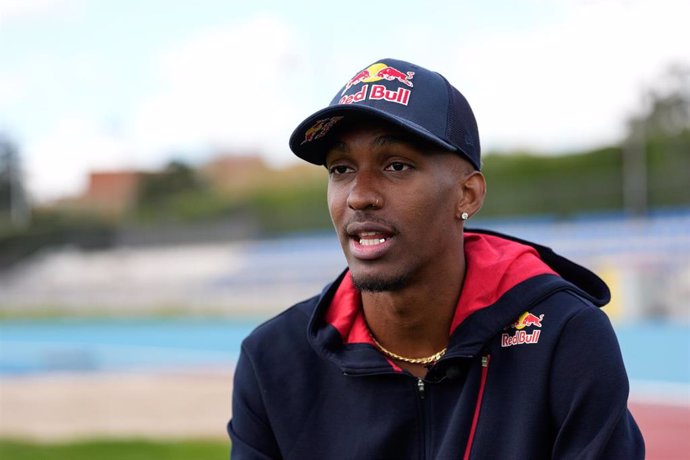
x=151 y=213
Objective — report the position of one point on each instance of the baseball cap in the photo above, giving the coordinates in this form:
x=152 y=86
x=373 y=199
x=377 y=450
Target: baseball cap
x=417 y=100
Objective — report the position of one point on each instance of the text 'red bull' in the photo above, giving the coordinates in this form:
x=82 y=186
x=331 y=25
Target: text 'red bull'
x=519 y=338
x=378 y=92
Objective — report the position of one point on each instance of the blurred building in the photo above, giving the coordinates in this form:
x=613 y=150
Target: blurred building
x=112 y=192
x=228 y=173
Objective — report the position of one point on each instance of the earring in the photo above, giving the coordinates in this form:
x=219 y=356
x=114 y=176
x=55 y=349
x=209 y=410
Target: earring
x=464 y=216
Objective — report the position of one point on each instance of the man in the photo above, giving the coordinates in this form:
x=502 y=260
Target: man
x=436 y=342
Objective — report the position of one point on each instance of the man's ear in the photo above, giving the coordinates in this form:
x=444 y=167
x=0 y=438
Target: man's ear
x=472 y=192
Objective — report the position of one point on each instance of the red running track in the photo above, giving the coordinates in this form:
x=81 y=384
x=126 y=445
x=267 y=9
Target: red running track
x=665 y=428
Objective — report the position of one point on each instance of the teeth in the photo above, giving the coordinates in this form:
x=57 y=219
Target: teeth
x=364 y=241
x=371 y=242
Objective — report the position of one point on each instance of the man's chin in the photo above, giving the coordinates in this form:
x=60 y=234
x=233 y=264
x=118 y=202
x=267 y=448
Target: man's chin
x=371 y=283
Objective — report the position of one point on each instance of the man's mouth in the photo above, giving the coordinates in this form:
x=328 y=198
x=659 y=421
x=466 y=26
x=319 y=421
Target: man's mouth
x=369 y=240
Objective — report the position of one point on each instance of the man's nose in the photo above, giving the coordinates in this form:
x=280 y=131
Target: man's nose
x=365 y=192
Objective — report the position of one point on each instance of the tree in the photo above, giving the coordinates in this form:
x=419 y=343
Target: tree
x=659 y=136
x=668 y=114
x=14 y=209
x=166 y=195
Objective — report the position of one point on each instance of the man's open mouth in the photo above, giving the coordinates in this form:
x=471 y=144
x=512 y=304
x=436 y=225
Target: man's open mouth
x=371 y=238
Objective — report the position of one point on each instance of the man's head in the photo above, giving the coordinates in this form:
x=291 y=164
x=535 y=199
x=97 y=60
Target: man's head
x=397 y=189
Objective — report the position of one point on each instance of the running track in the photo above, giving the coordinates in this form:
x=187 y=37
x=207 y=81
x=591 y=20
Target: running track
x=666 y=430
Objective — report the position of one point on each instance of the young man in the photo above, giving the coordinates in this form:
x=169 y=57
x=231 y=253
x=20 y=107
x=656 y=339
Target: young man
x=436 y=342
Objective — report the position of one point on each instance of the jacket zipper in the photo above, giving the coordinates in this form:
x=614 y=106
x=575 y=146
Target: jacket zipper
x=486 y=359
x=421 y=392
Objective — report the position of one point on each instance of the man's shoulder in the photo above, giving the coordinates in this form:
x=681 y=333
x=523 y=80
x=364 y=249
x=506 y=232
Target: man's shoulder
x=571 y=302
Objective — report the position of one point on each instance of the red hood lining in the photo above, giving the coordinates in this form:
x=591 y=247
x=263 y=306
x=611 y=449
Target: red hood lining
x=494 y=266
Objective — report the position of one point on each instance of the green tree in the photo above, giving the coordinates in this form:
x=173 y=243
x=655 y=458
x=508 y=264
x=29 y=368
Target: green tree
x=668 y=114
x=656 y=160
x=177 y=177
x=177 y=194
x=14 y=208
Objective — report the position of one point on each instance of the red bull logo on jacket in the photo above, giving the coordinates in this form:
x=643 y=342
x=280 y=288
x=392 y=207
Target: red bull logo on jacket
x=521 y=336
x=374 y=73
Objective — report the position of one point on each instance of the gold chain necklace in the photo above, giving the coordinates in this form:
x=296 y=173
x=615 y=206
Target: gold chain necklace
x=428 y=360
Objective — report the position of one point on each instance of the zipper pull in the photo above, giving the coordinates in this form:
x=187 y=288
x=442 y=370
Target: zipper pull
x=420 y=388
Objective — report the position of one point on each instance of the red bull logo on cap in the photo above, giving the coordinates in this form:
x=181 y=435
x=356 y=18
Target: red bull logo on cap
x=374 y=73
x=520 y=336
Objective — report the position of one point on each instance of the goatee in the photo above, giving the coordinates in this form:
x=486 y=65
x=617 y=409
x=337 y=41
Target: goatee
x=373 y=284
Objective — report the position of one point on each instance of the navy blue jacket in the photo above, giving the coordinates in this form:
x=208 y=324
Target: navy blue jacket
x=533 y=371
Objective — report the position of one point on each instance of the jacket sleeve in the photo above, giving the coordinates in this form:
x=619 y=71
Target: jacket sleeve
x=589 y=392
x=249 y=429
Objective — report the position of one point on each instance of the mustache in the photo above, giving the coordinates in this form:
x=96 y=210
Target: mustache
x=367 y=218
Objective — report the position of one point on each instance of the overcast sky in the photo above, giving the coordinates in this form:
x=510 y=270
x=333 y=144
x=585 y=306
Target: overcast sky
x=101 y=84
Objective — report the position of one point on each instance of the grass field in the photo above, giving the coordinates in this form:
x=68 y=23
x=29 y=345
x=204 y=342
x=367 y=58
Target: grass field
x=112 y=450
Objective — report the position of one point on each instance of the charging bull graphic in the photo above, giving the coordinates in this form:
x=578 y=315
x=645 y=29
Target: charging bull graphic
x=527 y=319
x=379 y=71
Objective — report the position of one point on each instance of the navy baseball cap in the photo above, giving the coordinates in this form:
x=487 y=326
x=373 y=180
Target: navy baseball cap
x=418 y=100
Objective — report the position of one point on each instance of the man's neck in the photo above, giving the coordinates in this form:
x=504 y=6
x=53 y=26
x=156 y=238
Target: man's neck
x=415 y=321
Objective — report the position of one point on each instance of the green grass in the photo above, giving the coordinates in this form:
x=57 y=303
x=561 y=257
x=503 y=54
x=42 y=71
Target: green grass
x=114 y=450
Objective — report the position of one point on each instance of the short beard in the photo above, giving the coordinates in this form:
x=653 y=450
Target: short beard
x=380 y=285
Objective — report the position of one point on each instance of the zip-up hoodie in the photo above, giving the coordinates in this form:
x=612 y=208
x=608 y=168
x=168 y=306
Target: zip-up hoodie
x=533 y=371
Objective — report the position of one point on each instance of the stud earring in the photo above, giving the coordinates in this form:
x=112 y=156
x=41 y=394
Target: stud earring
x=464 y=216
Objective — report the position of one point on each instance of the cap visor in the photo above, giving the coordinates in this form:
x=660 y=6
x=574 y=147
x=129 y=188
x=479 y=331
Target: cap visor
x=314 y=150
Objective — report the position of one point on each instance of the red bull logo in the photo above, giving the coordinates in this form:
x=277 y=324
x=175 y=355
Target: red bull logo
x=520 y=336
x=372 y=74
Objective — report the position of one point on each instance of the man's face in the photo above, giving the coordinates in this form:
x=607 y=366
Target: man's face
x=394 y=204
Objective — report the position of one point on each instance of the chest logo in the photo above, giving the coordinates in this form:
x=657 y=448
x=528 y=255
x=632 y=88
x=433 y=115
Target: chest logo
x=520 y=336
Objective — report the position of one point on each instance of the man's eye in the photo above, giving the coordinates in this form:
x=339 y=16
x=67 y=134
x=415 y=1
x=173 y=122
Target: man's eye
x=338 y=169
x=397 y=166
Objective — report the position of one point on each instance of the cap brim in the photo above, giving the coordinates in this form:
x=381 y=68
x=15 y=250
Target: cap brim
x=314 y=150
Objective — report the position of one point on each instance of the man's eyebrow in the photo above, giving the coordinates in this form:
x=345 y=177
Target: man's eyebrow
x=403 y=138
x=379 y=141
x=388 y=139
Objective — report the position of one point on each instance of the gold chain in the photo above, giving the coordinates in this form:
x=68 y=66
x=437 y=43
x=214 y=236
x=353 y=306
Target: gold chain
x=428 y=360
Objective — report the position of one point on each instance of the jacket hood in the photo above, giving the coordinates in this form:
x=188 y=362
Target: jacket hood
x=590 y=285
